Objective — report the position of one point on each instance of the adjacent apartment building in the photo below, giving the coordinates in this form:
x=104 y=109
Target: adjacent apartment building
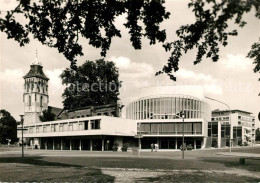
x=242 y=128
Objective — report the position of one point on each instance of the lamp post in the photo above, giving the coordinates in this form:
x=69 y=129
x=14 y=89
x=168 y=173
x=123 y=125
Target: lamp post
x=182 y=116
x=229 y=119
x=22 y=119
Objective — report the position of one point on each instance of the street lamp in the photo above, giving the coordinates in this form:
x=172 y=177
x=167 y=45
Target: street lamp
x=22 y=119
x=182 y=116
x=229 y=119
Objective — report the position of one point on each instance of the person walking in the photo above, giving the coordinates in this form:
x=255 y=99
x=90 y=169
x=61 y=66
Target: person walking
x=156 y=147
x=152 y=147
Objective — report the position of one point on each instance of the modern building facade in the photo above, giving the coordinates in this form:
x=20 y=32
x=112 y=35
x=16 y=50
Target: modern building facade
x=242 y=128
x=159 y=118
x=161 y=115
x=88 y=128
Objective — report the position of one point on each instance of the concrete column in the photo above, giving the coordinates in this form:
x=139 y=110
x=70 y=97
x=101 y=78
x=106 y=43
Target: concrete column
x=80 y=143
x=40 y=143
x=90 y=144
x=70 y=145
x=139 y=142
x=158 y=142
x=61 y=144
x=219 y=134
x=103 y=144
x=176 y=144
x=53 y=147
x=45 y=144
x=195 y=143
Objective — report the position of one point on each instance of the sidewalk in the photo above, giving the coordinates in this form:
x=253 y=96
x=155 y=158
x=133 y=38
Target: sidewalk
x=240 y=154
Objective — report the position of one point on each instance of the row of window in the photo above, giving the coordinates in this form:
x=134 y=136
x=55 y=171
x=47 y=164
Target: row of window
x=98 y=114
x=73 y=126
x=30 y=100
x=220 y=118
x=246 y=118
x=28 y=86
x=170 y=128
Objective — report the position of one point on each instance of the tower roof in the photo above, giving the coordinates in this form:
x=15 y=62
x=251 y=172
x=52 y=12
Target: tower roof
x=36 y=71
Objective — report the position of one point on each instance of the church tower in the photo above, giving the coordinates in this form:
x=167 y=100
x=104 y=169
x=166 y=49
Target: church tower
x=35 y=95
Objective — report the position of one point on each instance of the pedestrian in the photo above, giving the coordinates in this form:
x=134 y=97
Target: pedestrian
x=8 y=140
x=152 y=147
x=156 y=147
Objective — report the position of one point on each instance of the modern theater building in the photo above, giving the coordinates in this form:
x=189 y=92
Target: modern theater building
x=157 y=117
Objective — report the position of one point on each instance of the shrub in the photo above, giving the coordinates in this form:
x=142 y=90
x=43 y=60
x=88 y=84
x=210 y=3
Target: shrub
x=115 y=146
x=246 y=144
x=189 y=147
x=124 y=148
x=185 y=147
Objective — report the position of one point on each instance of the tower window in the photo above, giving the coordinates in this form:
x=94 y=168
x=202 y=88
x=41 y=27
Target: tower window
x=30 y=100
x=28 y=86
x=41 y=101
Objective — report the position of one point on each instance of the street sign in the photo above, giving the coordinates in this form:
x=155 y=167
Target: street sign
x=138 y=136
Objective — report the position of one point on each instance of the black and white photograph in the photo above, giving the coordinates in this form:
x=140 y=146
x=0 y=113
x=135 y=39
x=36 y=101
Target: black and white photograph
x=129 y=91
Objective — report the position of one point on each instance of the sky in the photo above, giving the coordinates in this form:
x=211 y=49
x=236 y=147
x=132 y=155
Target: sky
x=230 y=80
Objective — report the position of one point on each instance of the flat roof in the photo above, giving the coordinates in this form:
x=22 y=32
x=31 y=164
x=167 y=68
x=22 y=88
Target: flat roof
x=234 y=110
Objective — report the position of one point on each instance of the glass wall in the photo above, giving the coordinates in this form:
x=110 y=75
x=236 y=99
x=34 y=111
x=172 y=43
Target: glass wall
x=190 y=128
x=168 y=107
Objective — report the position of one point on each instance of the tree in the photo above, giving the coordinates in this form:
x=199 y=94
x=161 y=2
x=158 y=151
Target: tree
x=8 y=127
x=47 y=115
x=210 y=31
x=257 y=134
x=60 y=24
x=94 y=83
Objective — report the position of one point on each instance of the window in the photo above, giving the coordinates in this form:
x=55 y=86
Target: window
x=30 y=100
x=75 y=127
x=61 y=128
x=41 y=101
x=239 y=117
x=86 y=125
x=95 y=124
x=44 y=129
x=70 y=127
x=80 y=125
x=31 y=130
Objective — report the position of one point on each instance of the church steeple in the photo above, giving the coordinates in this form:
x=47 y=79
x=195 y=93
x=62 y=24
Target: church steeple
x=35 y=96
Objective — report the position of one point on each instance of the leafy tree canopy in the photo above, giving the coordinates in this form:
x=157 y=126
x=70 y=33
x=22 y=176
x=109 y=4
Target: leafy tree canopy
x=210 y=30
x=8 y=127
x=94 y=83
x=59 y=24
x=47 y=115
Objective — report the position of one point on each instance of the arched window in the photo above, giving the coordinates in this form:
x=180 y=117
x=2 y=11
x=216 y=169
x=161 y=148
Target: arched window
x=41 y=101
x=30 y=100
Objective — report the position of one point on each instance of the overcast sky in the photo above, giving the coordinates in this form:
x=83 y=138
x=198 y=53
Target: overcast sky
x=230 y=80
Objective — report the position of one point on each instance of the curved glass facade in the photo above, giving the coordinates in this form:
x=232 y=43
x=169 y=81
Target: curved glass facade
x=167 y=107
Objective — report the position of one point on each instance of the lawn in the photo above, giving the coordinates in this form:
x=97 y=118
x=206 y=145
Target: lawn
x=199 y=166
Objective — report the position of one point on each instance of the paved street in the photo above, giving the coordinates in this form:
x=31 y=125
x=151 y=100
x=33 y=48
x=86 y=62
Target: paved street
x=162 y=166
